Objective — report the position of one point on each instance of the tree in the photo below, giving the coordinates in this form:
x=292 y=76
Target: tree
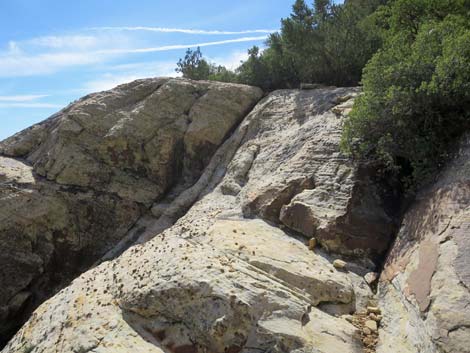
x=222 y=74
x=254 y=71
x=416 y=100
x=301 y=12
x=328 y=43
x=193 y=66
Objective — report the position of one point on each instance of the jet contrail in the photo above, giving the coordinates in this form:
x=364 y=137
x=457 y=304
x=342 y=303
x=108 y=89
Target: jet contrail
x=182 y=30
x=179 y=46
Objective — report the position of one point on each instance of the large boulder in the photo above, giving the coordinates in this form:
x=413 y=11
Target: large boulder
x=73 y=186
x=425 y=285
x=135 y=140
x=234 y=273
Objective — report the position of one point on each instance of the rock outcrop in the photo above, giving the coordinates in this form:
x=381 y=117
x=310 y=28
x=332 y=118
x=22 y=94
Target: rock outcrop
x=234 y=273
x=210 y=231
x=425 y=285
x=74 y=185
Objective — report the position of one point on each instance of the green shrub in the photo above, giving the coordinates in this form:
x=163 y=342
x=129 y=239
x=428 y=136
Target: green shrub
x=194 y=66
x=325 y=43
x=416 y=99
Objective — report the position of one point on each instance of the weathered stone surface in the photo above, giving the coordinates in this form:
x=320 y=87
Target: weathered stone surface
x=135 y=140
x=89 y=173
x=300 y=178
x=195 y=297
x=48 y=236
x=424 y=290
x=226 y=277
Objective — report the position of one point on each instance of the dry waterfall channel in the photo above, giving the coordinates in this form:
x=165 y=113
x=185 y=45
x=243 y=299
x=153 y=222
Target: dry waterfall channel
x=169 y=215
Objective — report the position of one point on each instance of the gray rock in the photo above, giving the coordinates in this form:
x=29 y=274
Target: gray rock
x=89 y=174
x=424 y=290
x=218 y=260
x=216 y=280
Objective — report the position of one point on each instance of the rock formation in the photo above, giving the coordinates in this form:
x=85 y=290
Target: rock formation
x=425 y=285
x=208 y=229
x=81 y=179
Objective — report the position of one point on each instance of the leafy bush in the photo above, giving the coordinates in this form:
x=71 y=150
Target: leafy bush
x=416 y=100
x=194 y=66
x=327 y=43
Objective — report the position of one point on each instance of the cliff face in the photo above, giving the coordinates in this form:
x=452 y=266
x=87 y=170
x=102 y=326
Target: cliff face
x=425 y=286
x=214 y=230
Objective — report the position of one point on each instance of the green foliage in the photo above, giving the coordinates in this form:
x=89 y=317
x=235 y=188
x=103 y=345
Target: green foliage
x=327 y=44
x=416 y=100
x=193 y=66
x=414 y=60
x=254 y=70
x=222 y=74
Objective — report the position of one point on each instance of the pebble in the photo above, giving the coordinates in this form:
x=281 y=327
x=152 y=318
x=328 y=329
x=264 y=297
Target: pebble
x=312 y=243
x=374 y=309
x=366 y=331
x=339 y=264
x=371 y=325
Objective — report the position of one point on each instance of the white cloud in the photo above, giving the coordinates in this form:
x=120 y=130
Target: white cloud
x=25 y=101
x=29 y=105
x=180 y=46
x=182 y=30
x=108 y=81
x=231 y=61
x=18 y=60
x=25 y=65
x=76 y=42
x=22 y=98
x=120 y=74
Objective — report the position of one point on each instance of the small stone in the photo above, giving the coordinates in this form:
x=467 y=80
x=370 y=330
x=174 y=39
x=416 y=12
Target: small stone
x=339 y=264
x=361 y=312
x=312 y=243
x=366 y=331
x=348 y=318
x=371 y=325
x=374 y=309
x=371 y=277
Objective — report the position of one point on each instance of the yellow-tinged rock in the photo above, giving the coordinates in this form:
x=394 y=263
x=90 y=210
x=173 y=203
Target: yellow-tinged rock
x=374 y=310
x=371 y=325
x=312 y=243
x=339 y=264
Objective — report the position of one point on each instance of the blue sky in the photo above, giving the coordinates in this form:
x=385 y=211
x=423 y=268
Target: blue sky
x=55 y=51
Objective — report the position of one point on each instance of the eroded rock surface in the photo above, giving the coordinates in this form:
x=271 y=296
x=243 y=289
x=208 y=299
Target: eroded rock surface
x=221 y=259
x=136 y=140
x=425 y=288
x=73 y=186
x=234 y=273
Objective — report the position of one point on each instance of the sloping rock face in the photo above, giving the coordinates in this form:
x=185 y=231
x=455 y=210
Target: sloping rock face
x=223 y=265
x=73 y=186
x=49 y=235
x=425 y=286
x=136 y=140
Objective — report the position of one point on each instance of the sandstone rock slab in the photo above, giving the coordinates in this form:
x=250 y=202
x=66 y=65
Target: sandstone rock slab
x=424 y=289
